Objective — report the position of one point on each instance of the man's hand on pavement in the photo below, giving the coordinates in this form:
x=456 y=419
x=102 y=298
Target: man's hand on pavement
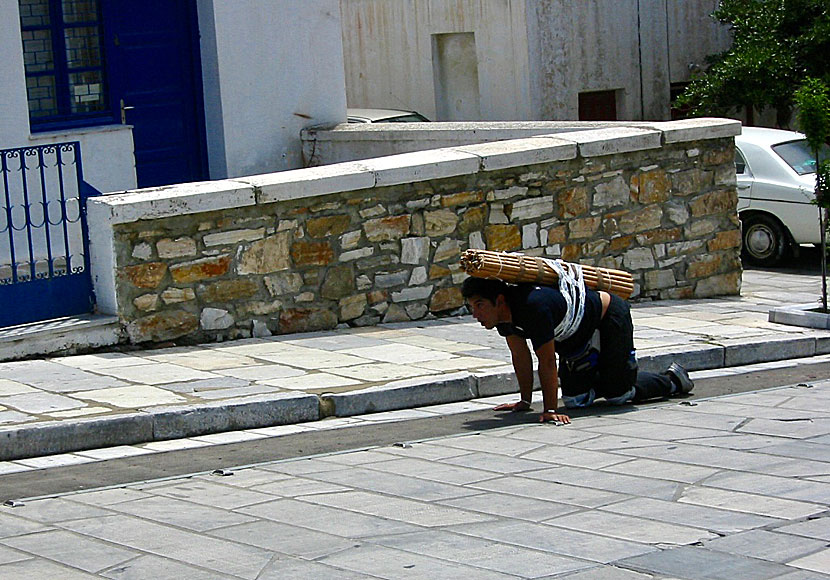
x=555 y=417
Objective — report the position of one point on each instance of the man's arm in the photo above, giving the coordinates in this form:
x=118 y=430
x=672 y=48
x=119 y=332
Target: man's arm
x=549 y=381
x=523 y=366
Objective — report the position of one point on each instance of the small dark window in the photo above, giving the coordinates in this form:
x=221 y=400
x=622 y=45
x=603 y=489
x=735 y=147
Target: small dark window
x=598 y=106
x=675 y=90
x=64 y=61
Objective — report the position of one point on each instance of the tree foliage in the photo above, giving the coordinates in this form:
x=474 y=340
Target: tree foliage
x=777 y=44
x=813 y=101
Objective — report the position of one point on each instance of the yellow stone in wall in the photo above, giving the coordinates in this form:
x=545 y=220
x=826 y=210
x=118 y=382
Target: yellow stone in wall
x=146 y=275
x=503 y=237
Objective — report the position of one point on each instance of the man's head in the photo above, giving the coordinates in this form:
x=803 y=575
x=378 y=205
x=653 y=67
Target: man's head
x=487 y=300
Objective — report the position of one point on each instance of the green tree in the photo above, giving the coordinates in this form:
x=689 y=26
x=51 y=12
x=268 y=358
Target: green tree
x=777 y=44
x=813 y=101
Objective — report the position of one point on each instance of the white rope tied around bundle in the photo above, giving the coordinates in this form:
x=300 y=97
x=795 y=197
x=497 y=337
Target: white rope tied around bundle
x=572 y=288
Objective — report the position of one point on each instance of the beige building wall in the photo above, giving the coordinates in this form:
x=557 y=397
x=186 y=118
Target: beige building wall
x=389 y=46
x=534 y=57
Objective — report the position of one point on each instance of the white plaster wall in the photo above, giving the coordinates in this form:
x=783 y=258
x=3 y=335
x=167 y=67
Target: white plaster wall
x=107 y=151
x=270 y=68
x=693 y=34
x=654 y=60
x=14 y=112
x=586 y=46
x=535 y=56
x=388 y=53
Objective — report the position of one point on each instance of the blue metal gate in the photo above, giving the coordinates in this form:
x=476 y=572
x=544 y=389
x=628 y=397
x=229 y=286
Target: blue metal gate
x=44 y=262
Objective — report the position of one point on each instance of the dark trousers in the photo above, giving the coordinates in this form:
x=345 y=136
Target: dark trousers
x=616 y=369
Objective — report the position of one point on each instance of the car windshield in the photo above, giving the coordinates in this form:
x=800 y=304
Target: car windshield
x=799 y=156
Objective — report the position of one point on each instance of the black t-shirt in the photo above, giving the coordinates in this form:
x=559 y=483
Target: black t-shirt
x=538 y=310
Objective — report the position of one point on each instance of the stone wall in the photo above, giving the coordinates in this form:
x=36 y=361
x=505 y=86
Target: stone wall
x=379 y=240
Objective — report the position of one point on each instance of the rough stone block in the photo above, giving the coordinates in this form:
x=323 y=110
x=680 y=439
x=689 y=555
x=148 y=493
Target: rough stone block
x=447 y=249
x=386 y=228
x=503 y=237
x=462 y=198
x=532 y=208
x=147 y=275
x=228 y=290
x=652 y=186
x=311 y=253
x=722 y=285
x=215 y=319
x=176 y=295
x=440 y=223
x=162 y=326
x=200 y=269
x=414 y=250
x=446 y=299
x=409 y=294
x=231 y=238
x=179 y=248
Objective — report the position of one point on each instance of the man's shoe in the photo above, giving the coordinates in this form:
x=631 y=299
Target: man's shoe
x=680 y=378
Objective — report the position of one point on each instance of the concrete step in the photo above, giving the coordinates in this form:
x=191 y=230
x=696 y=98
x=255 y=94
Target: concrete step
x=67 y=335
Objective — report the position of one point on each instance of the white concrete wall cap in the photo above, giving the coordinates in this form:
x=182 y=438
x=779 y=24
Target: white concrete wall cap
x=299 y=183
x=518 y=152
x=697 y=129
x=450 y=130
x=597 y=142
x=174 y=200
x=422 y=165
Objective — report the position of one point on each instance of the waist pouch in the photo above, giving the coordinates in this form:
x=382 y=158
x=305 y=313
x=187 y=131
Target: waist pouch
x=587 y=359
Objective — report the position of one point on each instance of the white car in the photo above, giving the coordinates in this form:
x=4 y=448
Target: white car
x=384 y=116
x=776 y=184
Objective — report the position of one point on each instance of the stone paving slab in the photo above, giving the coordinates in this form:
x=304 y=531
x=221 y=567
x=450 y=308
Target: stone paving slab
x=495 y=504
x=64 y=404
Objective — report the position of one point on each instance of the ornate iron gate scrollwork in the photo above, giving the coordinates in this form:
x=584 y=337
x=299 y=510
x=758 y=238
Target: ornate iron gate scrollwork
x=44 y=261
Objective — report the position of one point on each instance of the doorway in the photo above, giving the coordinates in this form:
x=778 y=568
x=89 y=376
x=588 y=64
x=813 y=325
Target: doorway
x=153 y=57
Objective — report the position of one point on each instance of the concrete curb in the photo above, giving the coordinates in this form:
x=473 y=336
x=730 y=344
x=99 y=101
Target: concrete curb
x=418 y=392
x=38 y=439
x=800 y=315
x=66 y=436
x=248 y=413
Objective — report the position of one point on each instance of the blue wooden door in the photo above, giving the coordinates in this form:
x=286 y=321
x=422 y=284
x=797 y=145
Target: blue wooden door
x=155 y=80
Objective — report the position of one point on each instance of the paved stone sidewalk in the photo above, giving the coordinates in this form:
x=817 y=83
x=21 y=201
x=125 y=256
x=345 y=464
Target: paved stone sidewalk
x=65 y=404
x=733 y=487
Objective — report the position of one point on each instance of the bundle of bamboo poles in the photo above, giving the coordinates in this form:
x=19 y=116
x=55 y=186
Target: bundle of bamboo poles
x=515 y=268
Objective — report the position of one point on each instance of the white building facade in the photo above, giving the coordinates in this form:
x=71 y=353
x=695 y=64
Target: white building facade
x=503 y=60
x=161 y=92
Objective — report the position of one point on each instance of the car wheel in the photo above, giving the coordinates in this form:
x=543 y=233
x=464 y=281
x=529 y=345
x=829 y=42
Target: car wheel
x=765 y=240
